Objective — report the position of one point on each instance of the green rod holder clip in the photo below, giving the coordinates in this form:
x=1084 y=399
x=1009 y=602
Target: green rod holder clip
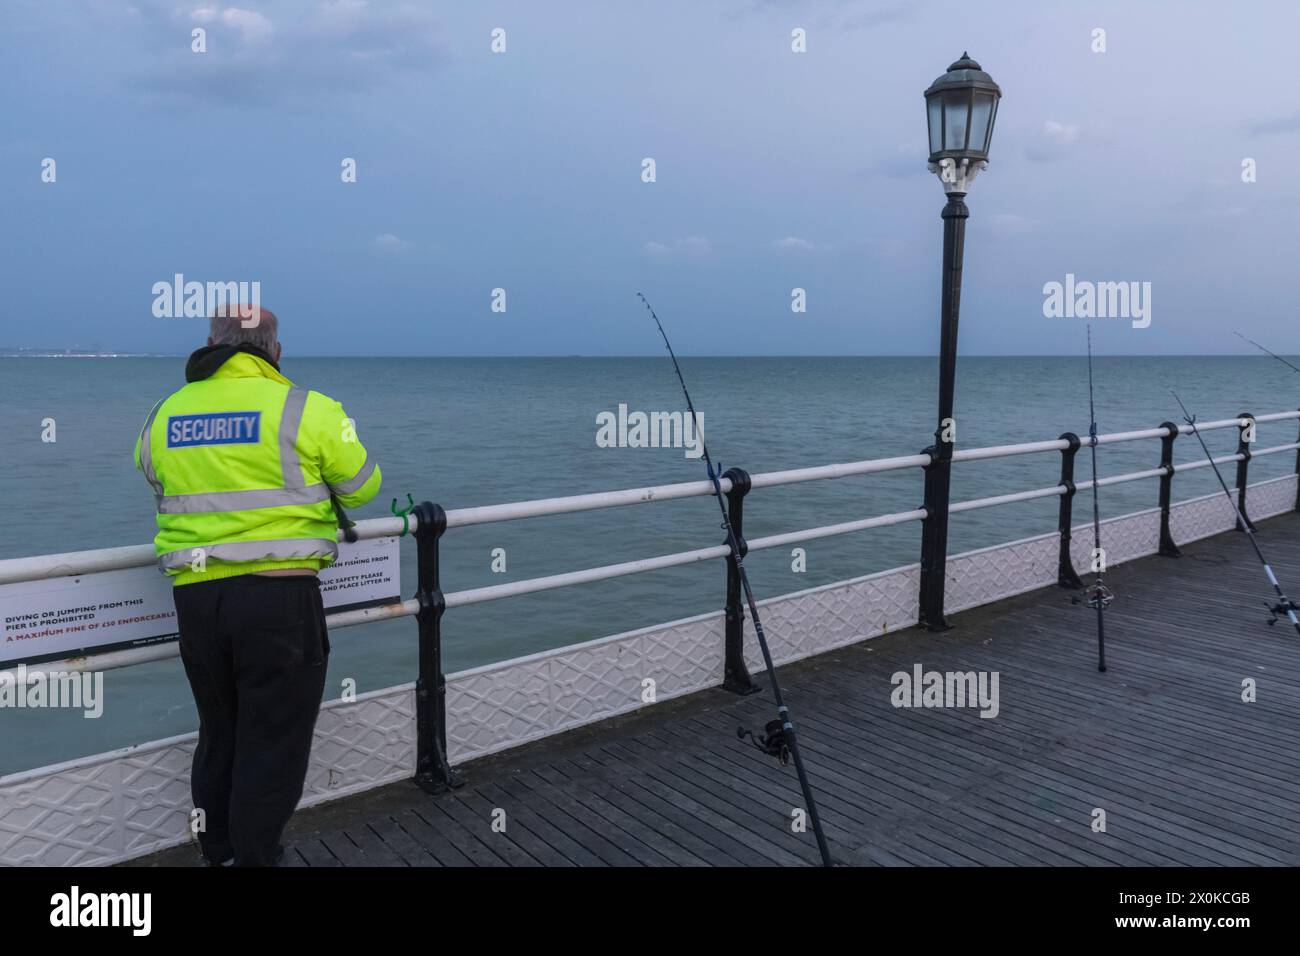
x=404 y=513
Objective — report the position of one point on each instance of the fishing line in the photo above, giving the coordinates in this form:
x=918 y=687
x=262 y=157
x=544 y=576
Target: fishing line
x=779 y=739
x=1285 y=606
x=1262 y=349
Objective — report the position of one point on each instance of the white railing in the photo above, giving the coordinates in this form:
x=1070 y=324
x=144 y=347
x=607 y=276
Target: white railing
x=85 y=562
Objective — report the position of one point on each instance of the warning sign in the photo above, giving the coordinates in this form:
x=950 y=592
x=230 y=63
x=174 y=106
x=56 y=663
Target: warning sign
x=71 y=616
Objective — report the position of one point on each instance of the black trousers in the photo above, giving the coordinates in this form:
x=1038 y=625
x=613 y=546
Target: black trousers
x=255 y=651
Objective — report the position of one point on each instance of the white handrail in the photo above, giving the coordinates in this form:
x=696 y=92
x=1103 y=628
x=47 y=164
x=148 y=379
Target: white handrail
x=976 y=503
x=551 y=581
x=40 y=567
x=43 y=566
x=1293 y=446
x=1120 y=479
x=1004 y=451
x=1116 y=437
x=142 y=556
x=1205 y=463
x=830 y=530
x=773 y=478
x=536 y=508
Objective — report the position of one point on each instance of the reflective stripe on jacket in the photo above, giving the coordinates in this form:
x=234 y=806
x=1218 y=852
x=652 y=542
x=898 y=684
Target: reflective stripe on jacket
x=242 y=465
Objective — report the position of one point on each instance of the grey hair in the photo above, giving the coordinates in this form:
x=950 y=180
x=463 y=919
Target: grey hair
x=245 y=325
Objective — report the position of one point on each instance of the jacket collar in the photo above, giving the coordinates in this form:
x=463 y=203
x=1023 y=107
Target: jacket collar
x=232 y=361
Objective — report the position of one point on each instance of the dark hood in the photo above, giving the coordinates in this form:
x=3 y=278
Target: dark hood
x=208 y=359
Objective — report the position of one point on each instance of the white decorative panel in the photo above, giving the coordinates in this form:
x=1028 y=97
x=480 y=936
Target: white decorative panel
x=1213 y=514
x=362 y=745
x=820 y=619
x=1200 y=518
x=1269 y=498
x=491 y=708
x=991 y=574
x=506 y=704
x=130 y=802
x=1123 y=539
x=154 y=797
x=685 y=657
x=592 y=683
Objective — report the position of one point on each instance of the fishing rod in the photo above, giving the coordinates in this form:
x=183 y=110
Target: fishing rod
x=1262 y=349
x=1285 y=606
x=779 y=739
x=1099 y=596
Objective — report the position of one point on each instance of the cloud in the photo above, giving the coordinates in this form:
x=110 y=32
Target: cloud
x=250 y=25
x=336 y=48
x=389 y=244
x=795 y=244
x=1061 y=132
x=1279 y=124
x=844 y=15
x=908 y=159
x=691 y=247
x=1054 y=142
x=876 y=15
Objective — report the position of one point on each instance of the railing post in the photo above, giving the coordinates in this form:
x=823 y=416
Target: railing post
x=735 y=674
x=433 y=773
x=934 y=536
x=1167 y=546
x=1243 y=449
x=1297 y=473
x=1066 y=576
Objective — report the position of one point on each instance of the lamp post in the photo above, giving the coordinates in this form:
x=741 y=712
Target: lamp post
x=960 y=109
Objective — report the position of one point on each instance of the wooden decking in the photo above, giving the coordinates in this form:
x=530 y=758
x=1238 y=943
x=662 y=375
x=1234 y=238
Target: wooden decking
x=1186 y=772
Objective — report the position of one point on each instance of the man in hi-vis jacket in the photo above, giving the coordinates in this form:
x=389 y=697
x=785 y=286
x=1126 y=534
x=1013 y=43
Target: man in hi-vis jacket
x=244 y=466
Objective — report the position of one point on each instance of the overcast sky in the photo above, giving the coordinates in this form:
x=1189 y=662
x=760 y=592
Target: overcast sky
x=522 y=170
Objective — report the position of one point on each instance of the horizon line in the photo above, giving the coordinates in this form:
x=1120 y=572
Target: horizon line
x=11 y=352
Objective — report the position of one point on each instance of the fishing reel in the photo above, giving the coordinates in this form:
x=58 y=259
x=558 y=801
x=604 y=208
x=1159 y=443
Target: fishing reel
x=773 y=742
x=1281 y=610
x=1099 y=596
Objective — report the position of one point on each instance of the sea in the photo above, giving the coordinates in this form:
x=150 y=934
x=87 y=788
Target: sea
x=478 y=431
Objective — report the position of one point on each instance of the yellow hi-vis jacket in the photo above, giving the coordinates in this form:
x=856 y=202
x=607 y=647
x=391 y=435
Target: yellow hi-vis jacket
x=243 y=464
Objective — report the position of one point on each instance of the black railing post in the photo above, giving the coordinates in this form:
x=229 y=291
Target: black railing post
x=1066 y=576
x=736 y=676
x=433 y=772
x=1167 y=546
x=1297 y=474
x=1243 y=449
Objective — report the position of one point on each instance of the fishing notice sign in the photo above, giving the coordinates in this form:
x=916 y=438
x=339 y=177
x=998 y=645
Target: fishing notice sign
x=72 y=616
